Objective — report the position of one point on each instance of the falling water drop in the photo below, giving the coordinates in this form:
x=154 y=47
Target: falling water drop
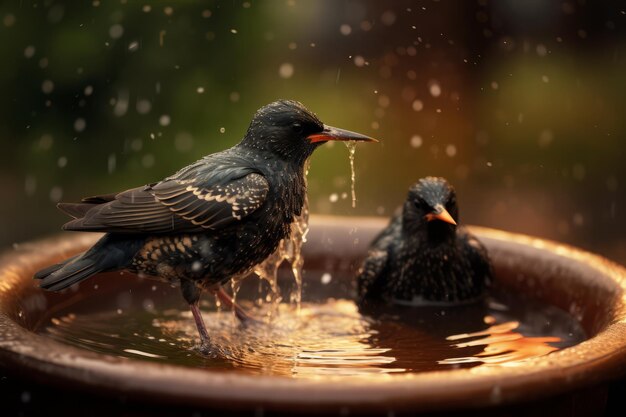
x=351 y=145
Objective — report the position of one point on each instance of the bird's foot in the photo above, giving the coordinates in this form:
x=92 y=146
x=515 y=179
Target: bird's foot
x=212 y=351
x=208 y=350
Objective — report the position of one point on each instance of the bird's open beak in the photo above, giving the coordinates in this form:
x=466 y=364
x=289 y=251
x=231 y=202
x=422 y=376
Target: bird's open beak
x=440 y=213
x=334 y=133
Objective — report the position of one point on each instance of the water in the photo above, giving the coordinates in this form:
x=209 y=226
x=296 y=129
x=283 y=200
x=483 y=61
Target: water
x=351 y=145
x=327 y=338
x=290 y=250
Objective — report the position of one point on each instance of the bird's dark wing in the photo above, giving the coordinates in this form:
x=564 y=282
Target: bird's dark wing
x=478 y=258
x=209 y=200
x=371 y=275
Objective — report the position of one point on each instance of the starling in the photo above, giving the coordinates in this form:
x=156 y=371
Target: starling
x=211 y=221
x=422 y=257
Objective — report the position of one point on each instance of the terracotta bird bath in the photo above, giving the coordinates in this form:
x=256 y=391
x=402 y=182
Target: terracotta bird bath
x=587 y=286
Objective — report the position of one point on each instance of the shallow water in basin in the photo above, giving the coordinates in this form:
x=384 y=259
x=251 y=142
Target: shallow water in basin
x=325 y=338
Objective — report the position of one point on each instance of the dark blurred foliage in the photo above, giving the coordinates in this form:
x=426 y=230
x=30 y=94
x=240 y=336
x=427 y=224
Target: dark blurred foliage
x=520 y=104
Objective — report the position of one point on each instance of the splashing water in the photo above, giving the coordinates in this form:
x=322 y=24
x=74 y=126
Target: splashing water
x=351 y=145
x=290 y=250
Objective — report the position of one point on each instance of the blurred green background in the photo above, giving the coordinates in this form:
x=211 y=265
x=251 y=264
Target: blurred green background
x=520 y=104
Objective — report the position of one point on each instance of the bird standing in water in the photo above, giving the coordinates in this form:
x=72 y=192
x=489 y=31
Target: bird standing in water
x=422 y=257
x=211 y=221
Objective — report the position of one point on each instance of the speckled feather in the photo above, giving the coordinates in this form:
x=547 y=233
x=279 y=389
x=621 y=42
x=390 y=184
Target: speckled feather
x=416 y=261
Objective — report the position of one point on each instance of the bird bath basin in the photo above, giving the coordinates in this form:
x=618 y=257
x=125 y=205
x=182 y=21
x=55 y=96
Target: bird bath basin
x=589 y=288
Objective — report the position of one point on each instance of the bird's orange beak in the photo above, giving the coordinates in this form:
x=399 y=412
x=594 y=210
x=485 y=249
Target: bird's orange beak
x=334 y=133
x=440 y=213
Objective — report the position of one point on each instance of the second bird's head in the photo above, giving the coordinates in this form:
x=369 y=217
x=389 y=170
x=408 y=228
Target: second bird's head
x=290 y=131
x=431 y=207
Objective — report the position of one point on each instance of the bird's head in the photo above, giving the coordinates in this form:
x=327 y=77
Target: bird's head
x=290 y=131
x=431 y=208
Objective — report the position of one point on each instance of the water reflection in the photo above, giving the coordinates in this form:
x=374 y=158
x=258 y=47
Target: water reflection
x=502 y=345
x=332 y=338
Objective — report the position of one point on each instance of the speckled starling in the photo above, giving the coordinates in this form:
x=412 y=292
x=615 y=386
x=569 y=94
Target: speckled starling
x=422 y=257
x=211 y=221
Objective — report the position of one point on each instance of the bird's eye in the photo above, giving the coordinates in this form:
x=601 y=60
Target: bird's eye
x=297 y=127
x=421 y=204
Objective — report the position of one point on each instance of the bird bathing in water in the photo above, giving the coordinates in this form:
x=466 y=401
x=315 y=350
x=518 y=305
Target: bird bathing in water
x=211 y=221
x=423 y=257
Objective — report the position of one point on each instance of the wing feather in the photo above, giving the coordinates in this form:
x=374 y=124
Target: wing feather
x=175 y=205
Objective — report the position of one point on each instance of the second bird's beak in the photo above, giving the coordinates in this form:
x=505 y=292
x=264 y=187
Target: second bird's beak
x=440 y=213
x=334 y=133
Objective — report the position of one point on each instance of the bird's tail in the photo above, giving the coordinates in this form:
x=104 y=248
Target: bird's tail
x=108 y=254
x=60 y=276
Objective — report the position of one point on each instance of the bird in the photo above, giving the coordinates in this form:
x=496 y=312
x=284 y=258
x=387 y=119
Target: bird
x=209 y=222
x=422 y=257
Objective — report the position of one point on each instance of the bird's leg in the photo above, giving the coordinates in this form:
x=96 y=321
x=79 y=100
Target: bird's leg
x=205 y=340
x=241 y=314
x=191 y=293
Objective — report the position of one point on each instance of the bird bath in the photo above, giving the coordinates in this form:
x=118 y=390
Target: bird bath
x=588 y=287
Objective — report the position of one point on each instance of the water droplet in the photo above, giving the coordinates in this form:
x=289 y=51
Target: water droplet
x=56 y=193
x=416 y=141
x=222 y=130
x=29 y=52
x=451 y=150
x=120 y=106
x=47 y=86
x=359 y=61
x=111 y=163
x=200 y=90
x=434 y=88
x=351 y=145
x=345 y=29
x=541 y=50
x=9 y=20
x=116 y=31
x=80 y=124
x=143 y=106
x=326 y=278
x=333 y=198
x=196 y=266
x=286 y=70
x=164 y=120
x=418 y=105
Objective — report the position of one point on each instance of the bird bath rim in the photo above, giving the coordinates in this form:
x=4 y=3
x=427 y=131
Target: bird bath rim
x=598 y=359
